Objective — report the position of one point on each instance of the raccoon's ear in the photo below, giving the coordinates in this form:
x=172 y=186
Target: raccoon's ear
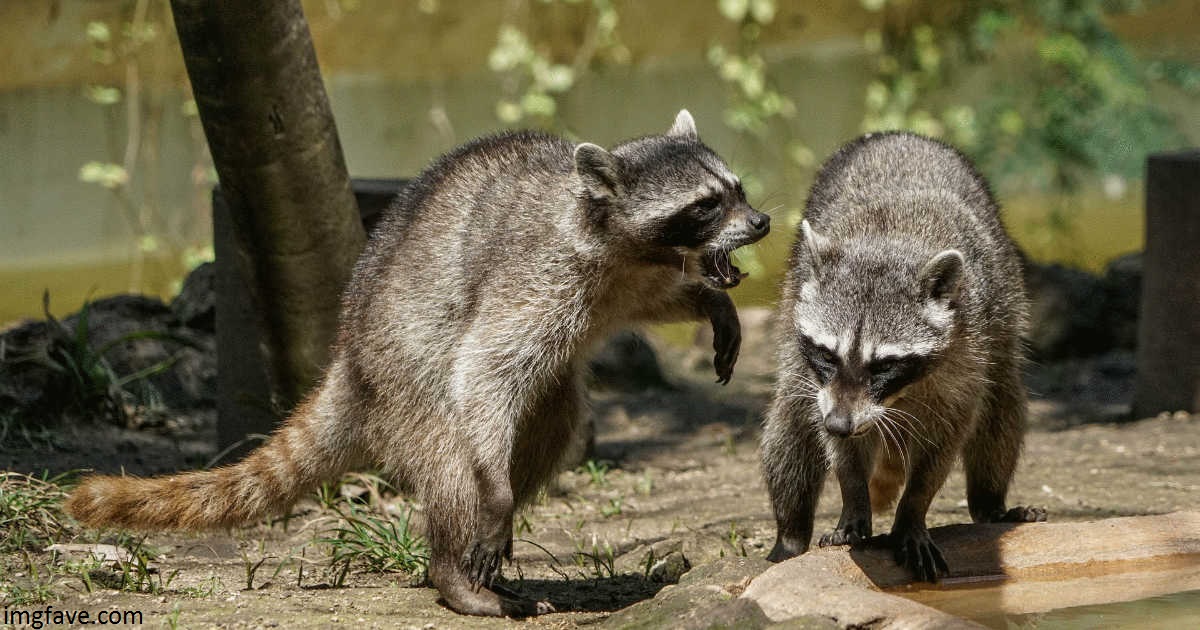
x=815 y=243
x=685 y=126
x=599 y=170
x=941 y=278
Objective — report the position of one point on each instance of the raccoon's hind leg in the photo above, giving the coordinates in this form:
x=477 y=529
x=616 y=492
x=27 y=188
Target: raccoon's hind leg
x=853 y=464
x=990 y=454
x=794 y=467
x=460 y=567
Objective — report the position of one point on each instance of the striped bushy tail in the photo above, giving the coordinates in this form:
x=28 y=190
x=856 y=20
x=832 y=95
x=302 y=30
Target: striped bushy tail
x=265 y=483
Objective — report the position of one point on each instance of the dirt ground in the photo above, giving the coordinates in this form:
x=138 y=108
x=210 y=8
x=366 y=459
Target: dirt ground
x=682 y=482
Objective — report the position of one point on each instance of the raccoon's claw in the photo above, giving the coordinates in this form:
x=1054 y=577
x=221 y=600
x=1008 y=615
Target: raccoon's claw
x=483 y=564
x=847 y=534
x=1022 y=514
x=916 y=551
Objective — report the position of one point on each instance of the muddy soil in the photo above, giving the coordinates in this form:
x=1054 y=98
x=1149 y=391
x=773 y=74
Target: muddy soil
x=682 y=488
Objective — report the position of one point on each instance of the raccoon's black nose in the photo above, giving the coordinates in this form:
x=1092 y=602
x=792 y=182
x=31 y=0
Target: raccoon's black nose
x=839 y=425
x=760 y=222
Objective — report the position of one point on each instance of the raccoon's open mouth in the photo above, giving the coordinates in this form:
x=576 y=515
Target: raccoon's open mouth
x=719 y=270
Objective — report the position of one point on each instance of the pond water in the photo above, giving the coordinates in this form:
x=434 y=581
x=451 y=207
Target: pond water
x=1177 y=610
x=1161 y=593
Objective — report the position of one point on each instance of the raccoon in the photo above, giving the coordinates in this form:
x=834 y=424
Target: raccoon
x=463 y=333
x=899 y=336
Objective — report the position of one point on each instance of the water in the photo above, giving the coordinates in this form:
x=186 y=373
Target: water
x=1177 y=610
x=1163 y=593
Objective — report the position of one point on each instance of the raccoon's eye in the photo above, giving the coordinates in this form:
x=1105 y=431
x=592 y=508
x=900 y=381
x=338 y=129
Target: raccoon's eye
x=707 y=204
x=825 y=356
x=884 y=366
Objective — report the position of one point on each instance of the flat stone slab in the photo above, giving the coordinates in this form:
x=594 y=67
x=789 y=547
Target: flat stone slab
x=1003 y=567
x=996 y=569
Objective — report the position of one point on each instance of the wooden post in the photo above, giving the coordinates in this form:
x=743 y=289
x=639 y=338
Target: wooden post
x=1168 y=351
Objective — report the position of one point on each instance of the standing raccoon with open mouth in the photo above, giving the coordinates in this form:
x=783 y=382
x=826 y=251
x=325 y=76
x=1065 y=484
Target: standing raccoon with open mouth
x=900 y=348
x=464 y=333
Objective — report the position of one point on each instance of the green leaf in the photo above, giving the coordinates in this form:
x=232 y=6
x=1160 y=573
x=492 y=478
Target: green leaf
x=106 y=174
x=98 y=32
x=103 y=94
x=734 y=10
x=762 y=10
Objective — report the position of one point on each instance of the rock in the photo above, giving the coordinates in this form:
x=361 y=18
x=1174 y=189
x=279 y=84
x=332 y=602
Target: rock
x=143 y=335
x=1074 y=313
x=706 y=597
x=670 y=569
x=1115 y=559
x=1066 y=312
x=1122 y=295
x=627 y=363
x=196 y=304
x=132 y=352
x=27 y=383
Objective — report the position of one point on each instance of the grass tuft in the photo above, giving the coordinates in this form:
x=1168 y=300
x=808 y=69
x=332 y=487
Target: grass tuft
x=30 y=511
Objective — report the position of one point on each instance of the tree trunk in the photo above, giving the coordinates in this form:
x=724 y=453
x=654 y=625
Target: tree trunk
x=267 y=119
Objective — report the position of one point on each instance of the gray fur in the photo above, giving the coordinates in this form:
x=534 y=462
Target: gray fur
x=469 y=317
x=900 y=347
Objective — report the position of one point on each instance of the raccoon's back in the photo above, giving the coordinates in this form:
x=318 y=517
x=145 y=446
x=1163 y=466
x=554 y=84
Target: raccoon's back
x=879 y=167
x=468 y=230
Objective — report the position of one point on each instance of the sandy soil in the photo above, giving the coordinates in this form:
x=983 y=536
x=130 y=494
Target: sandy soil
x=683 y=482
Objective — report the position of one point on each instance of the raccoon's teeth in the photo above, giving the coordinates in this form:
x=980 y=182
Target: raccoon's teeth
x=721 y=271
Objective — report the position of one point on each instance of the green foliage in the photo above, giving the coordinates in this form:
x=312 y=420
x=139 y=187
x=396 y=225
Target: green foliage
x=597 y=472
x=131 y=43
x=30 y=511
x=37 y=588
x=755 y=102
x=535 y=78
x=380 y=543
x=601 y=559
x=1080 y=112
x=1083 y=111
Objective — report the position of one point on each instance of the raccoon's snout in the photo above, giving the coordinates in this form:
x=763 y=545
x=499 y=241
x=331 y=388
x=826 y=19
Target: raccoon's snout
x=760 y=223
x=841 y=424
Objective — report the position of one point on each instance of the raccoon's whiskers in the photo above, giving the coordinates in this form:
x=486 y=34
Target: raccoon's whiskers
x=904 y=426
x=933 y=413
x=887 y=427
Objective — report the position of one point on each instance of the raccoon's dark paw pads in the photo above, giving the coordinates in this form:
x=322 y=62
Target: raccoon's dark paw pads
x=852 y=534
x=916 y=552
x=1023 y=514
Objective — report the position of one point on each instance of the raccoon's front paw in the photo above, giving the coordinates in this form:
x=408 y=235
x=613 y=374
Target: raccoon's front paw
x=727 y=342
x=916 y=551
x=847 y=533
x=1022 y=514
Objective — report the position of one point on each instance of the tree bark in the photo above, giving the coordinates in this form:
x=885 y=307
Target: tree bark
x=271 y=132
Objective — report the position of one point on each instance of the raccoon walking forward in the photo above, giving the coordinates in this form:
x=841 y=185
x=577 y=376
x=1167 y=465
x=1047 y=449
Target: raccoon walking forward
x=463 y=333
x=900 y=347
